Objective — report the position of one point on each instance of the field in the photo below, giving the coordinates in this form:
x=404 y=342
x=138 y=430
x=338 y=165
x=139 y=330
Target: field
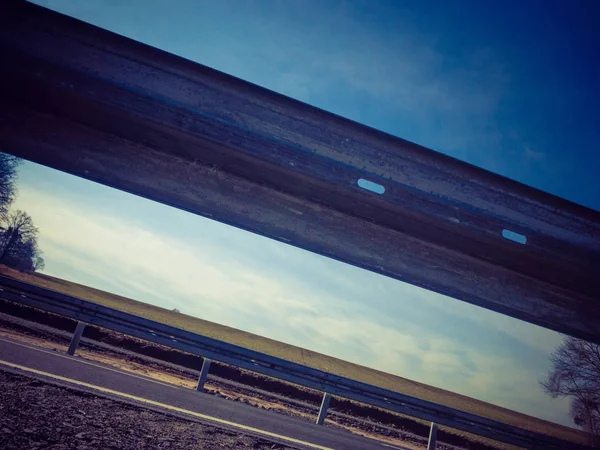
x=299 y=355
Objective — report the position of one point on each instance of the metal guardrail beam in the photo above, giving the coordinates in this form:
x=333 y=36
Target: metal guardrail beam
x=89 y=102
x=216 y=350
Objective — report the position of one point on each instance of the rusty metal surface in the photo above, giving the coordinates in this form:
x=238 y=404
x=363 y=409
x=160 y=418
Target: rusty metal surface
x=94 y=104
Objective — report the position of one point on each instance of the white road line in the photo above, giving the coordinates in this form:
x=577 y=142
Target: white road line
x=394 y=446
x=72 y=358
x=165 y=406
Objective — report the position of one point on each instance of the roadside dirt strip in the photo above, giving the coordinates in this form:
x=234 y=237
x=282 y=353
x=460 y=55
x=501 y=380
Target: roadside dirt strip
x=35 y=414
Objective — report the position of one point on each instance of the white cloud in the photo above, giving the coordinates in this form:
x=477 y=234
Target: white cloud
x=538 y=338
x=533 y=155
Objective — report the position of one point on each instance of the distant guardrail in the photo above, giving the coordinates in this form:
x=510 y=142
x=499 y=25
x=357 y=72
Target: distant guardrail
x=213 y=349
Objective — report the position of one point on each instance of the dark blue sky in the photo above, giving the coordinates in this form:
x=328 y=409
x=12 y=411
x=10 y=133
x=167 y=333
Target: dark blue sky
x=549 y=51
x=545 y=56
x=513 y=87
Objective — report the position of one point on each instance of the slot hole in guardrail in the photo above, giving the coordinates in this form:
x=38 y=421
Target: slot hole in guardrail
x=370 y=186
x=515 y=237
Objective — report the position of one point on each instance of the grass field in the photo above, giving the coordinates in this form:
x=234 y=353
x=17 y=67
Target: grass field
x=299 y=355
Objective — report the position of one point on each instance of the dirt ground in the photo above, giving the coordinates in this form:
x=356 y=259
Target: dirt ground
x=34 y=414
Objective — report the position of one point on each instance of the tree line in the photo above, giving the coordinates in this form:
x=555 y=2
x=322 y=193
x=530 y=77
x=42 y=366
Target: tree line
x=18 y=235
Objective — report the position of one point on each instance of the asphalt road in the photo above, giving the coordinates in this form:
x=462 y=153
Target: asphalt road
x=113 y=383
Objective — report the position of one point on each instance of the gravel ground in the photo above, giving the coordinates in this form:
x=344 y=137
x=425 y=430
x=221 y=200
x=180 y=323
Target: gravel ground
x=35 y=414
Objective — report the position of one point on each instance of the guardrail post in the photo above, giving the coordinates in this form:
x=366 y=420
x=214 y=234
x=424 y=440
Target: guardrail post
x=76 y=337
x=203 y=374
x=432 y=436
x=324 y=406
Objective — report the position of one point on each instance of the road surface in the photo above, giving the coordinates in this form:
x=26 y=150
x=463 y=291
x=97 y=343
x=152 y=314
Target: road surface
x=113 y=383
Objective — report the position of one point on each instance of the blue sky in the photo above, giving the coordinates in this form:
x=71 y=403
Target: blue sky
x=509 y=86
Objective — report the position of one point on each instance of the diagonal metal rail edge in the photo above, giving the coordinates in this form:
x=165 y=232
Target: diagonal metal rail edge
x=89 y=102
x=214 y=349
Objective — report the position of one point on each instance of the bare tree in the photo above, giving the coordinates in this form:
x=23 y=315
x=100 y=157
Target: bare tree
x=18 y=235
x=24 y=256
x=576 y=373
x=38 y=262
x=17 y=226
x=18 y=242
x=8 y=175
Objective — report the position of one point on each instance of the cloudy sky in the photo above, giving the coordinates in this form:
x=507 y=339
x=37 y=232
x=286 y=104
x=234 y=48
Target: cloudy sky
x=508 y=87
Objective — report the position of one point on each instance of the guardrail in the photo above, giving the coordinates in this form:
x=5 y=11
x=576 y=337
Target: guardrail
x=103 y=107
x=213 y=349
